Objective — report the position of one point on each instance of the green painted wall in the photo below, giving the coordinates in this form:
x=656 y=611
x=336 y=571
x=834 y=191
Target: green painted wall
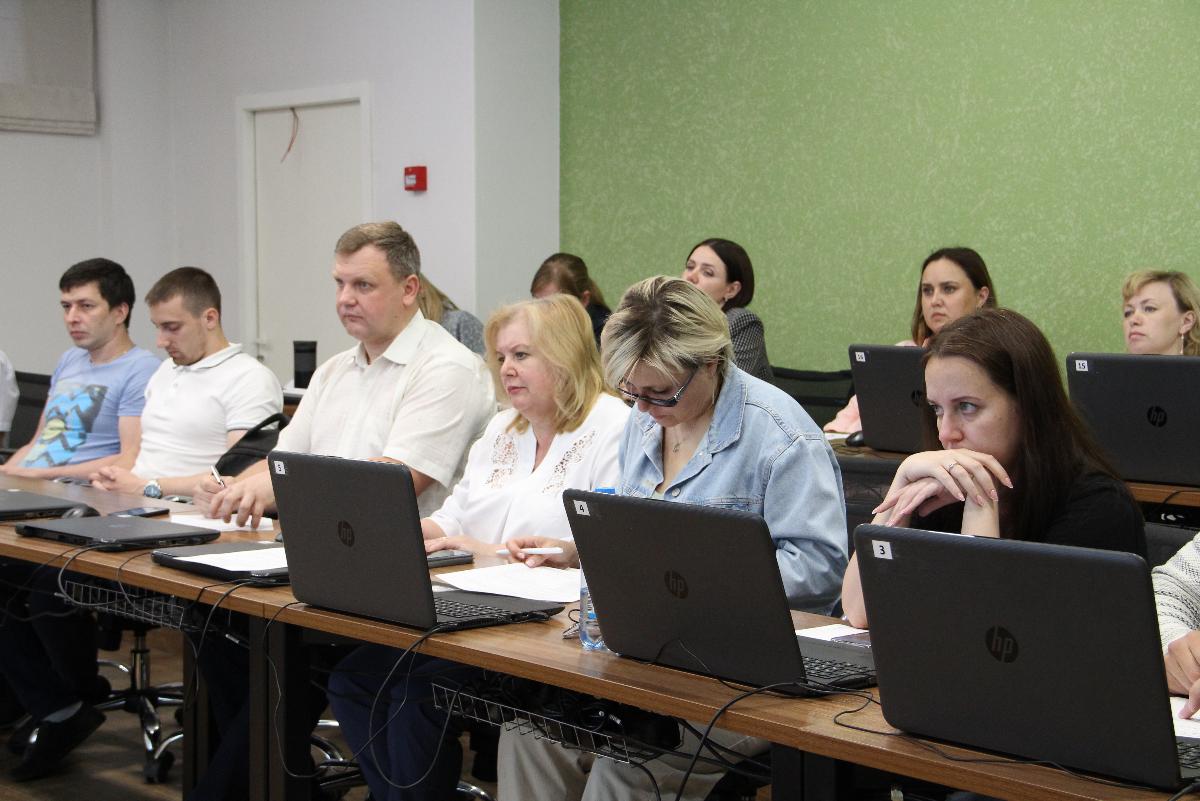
x=841 y=141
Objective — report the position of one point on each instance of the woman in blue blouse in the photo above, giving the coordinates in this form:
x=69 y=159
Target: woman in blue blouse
x=703 y=432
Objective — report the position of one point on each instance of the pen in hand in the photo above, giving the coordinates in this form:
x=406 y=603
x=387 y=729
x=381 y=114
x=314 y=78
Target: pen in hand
x=217 y=477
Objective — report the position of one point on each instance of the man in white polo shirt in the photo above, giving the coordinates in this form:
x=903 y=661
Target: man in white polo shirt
x=200 y=401
x=408 y=392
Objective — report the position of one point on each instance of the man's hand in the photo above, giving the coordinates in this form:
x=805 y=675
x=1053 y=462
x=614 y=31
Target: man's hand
x=244 y=501
x=117 y=479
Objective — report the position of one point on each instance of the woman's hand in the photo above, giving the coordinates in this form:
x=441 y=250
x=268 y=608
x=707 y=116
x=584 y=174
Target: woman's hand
x=568 y=558
x=933 y=479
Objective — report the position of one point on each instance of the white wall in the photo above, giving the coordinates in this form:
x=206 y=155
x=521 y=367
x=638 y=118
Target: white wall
x=68 y=198
x=157 y=188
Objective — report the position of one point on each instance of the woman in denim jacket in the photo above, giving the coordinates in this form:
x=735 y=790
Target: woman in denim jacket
x=704 y=432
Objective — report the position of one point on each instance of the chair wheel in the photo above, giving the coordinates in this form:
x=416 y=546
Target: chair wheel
x=156 y=770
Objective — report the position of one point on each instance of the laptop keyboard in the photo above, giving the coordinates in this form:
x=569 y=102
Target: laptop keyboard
x=1189 y=753
x=830 y=670
x=457 y=610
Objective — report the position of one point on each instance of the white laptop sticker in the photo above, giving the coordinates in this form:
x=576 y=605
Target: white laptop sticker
x=881 y=549
x=1081 y=365
x=581 y=509
x=280 y=468
x=860 y=356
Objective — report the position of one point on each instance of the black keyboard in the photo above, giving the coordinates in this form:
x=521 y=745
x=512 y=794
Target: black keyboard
x=829 y=670
x=457 y=610
x=1189 y=753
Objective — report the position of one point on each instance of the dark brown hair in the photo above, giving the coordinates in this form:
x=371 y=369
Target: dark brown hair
x=570 y=274
x=977 y=273
x=737 y=268
x=197 y=288
x=113 y=283
x=1055 y=446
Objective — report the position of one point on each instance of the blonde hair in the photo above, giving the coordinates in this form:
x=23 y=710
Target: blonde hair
x=433 y=302
x=561 y=334
x=1187 y=299
x=668 y=325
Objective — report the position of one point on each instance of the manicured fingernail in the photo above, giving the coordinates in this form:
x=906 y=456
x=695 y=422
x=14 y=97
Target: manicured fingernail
x=995 y=495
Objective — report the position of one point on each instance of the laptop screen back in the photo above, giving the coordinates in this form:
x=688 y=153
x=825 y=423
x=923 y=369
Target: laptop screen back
x=890 y=386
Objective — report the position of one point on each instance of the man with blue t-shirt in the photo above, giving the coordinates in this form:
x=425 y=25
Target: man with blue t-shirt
x=93 y=415
x=92 y=419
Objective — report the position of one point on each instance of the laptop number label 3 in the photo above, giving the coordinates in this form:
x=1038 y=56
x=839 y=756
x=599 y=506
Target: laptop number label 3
x=881 y=549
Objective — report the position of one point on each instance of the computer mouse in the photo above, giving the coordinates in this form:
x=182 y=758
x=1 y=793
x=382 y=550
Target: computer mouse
x=82 y=510
x=855 y=440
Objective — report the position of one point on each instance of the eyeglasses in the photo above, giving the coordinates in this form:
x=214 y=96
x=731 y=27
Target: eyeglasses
x=668 y=402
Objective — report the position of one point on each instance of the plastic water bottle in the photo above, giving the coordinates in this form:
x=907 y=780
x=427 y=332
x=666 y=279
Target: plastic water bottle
x=589 y=626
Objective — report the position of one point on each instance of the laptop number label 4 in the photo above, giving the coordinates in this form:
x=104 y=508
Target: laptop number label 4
x=280 y=468
x=581 y=508
x=881 y=549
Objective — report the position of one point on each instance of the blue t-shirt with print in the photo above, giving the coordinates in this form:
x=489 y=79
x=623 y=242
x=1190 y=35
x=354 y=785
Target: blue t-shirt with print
x=85 y=405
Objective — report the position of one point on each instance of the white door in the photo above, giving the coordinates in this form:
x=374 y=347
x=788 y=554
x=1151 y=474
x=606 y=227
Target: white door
x=304 y=201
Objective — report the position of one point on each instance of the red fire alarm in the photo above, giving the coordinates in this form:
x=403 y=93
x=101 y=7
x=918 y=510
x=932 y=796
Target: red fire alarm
x=414 y=179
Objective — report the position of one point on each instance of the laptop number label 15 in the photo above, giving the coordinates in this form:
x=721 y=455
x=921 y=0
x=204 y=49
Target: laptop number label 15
x=1081 y=365
x=881 y=549
x=280 y=468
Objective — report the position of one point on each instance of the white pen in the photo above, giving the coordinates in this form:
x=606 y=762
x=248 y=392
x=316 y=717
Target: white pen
x=530 y=551
x=217 y=476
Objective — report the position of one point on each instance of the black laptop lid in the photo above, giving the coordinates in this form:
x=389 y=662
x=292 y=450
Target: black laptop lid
x=1043 y=651
x=118 y=532
x=890 y=386
x=693 y=587
x=352 y=535
x=1143 y=410
x=20 y=505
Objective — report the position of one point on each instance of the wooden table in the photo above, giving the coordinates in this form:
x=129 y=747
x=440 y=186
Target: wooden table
x=796 y=727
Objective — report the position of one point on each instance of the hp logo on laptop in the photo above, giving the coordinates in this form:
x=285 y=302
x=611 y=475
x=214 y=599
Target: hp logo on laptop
x=345 y=533
x=1157 y=416
x=676 y=584
x=1001 y=644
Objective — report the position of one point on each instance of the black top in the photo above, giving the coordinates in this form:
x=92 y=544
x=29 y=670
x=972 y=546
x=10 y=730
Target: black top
x=1098 y=512
x=599 y=314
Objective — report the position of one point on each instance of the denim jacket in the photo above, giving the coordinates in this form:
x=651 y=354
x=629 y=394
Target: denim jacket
x=763 y=454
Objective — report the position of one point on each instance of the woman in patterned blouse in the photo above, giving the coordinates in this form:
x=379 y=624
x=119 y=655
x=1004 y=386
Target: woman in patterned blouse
x=561 y=430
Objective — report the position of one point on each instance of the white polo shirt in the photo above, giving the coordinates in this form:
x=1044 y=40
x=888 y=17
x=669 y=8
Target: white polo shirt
x=422 y=402
x=190 y=410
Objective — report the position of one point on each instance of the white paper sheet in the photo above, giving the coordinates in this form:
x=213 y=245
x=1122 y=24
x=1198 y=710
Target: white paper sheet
x=1183 y=728
x=515 y=579
x=831 y=632
x=219 y=525
x=835 y=436
x=265 y=558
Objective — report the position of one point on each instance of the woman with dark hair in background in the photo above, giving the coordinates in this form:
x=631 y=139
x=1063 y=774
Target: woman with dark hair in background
x=954 y=281
x=566 y=273
x=722 y=270
x=1016 y=460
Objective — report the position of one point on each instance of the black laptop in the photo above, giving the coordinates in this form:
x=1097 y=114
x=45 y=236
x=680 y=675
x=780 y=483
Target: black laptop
x=1044 y=652
x=698 y=588
x=353 y=542
x=20 y=505
x=890 y=386
x=1143 y=410
x=117 y=532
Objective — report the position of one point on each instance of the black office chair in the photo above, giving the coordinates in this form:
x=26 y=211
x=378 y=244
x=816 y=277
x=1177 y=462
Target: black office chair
x=822 y=394
x=1163 y=541
x=34 y=388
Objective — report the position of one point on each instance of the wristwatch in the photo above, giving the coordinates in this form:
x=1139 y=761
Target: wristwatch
x=152 y=489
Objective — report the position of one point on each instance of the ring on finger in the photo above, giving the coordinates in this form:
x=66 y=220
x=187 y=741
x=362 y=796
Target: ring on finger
x=951 y=466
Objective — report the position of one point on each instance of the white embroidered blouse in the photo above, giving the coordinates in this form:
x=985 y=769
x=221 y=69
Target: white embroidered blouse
x=502 y=496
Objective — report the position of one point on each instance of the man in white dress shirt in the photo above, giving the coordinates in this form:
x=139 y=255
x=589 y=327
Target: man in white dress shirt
x=408 y=392
x=201 y=400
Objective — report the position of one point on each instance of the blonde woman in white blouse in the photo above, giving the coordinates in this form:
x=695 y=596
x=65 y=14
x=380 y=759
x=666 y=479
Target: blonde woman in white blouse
x=561 y=431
